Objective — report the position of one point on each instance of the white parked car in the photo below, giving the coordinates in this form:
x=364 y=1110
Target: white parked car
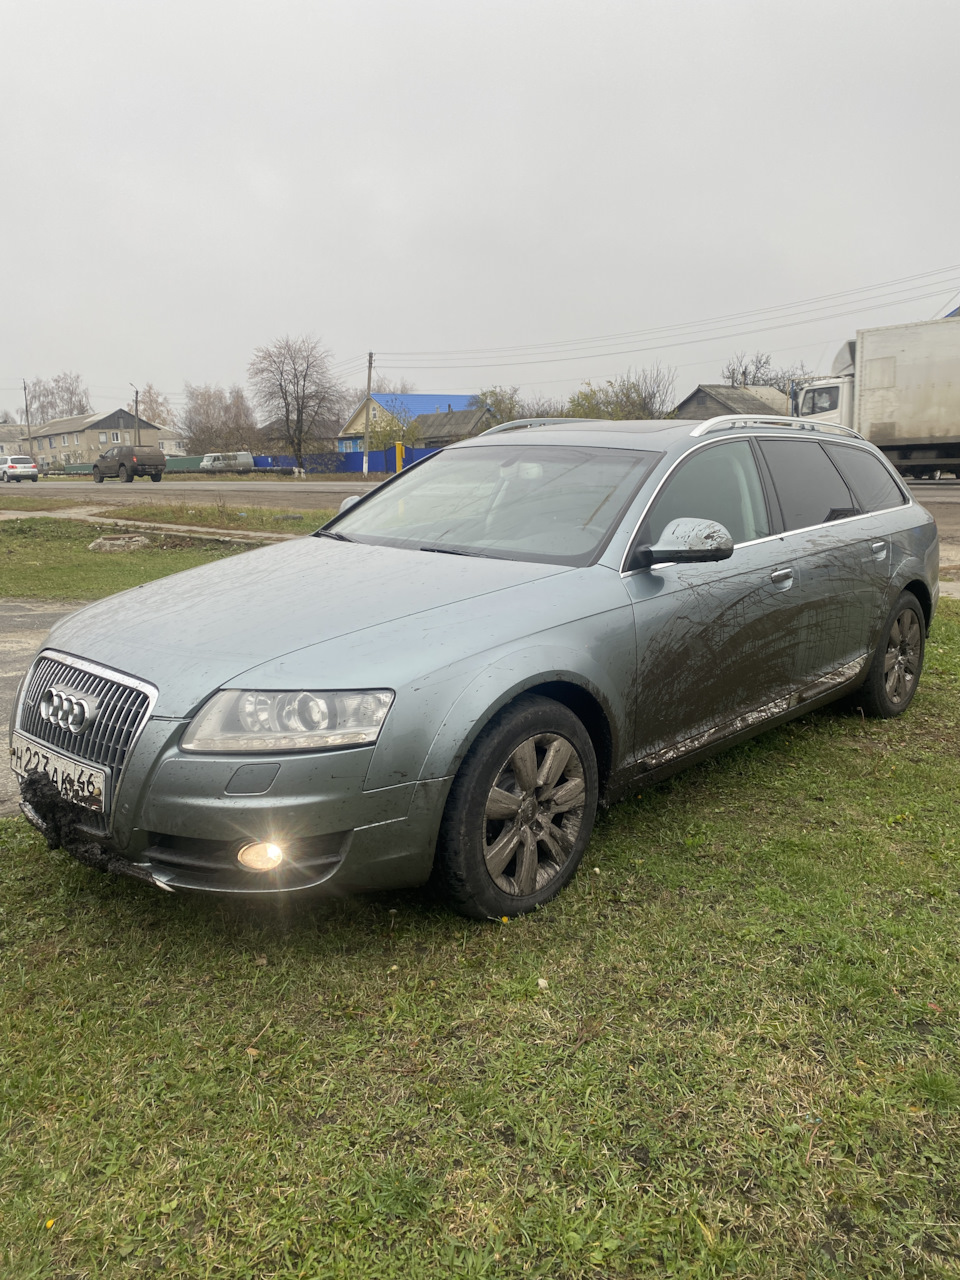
x=18 y=467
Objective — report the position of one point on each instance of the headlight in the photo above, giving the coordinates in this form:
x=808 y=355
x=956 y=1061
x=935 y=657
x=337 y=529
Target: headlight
x=298 y=720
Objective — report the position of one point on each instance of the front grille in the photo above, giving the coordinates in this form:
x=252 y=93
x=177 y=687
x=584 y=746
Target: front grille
x=122 y=710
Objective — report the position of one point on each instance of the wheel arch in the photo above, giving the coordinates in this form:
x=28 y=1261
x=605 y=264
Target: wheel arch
x=591 y=714
x=920 y=589
x=475 y=709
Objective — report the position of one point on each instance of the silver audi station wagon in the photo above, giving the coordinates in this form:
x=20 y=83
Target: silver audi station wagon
x=449 y=677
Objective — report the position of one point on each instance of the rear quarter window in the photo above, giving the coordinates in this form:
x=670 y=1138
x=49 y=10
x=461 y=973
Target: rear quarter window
x=871 y=482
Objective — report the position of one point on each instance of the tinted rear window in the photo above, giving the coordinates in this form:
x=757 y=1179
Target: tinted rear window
x=24 y=462
x=810 y=488
x=874 y=486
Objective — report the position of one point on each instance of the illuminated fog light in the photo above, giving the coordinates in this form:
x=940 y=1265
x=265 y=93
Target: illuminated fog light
x=260 y=857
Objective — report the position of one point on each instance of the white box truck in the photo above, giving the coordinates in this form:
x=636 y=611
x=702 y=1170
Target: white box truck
x=899 y=386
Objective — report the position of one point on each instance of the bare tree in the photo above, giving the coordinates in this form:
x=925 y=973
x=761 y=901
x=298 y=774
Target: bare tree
x=6 y=418
x=759 y=370
x=296 y=392
x=217 y=420
x=63 y=396
x=155 y=407
x=636 y=394
x=508 y=405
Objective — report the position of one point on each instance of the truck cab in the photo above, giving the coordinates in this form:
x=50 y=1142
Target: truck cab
x=826 y=399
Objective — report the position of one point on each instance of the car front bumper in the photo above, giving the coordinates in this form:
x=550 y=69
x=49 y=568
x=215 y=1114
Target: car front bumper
x=179 y=821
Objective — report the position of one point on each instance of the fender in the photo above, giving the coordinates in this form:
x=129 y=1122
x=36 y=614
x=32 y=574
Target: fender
x=513 y=674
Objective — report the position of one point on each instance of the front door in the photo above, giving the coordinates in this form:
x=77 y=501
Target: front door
x=716 y=643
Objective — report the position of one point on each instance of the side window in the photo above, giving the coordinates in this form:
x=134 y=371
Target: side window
x=819 y=400
x=874 y=486
x=810 y=488
x=719 y=483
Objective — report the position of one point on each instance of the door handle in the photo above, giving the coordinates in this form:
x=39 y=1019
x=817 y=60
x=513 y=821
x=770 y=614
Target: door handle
x=879 y=549
x=782 y=575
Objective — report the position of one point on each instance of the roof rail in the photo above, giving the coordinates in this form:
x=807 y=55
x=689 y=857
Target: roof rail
x=520 y=423
x=730 y=421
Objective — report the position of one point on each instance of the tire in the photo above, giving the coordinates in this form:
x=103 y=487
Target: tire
x=507 y=845
x=97 y=477
x=6 y=478
x=125 y=476
x=34 y=479
x=895 y=670
x=17 y=478
x=155 y=478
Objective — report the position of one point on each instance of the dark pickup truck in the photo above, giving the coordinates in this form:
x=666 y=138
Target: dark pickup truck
x=125 y=461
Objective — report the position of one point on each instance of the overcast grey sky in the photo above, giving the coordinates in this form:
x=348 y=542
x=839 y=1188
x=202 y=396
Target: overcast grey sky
x=185 y=181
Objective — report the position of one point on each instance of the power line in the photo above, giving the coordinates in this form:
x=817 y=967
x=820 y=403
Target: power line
x=529 y=348
x=669 y=343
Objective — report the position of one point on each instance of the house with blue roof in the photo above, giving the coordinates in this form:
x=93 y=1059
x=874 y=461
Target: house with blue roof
x=429 y=419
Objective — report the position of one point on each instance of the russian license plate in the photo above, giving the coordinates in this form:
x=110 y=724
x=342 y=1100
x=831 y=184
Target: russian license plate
x=73 y=780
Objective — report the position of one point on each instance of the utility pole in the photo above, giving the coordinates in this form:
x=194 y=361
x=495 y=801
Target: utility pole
x=366 y=415
x=26 y=412
x=136 y=413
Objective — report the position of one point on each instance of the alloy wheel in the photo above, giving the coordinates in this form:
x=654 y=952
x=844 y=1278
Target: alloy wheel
x=533 y=814
x=902 y=660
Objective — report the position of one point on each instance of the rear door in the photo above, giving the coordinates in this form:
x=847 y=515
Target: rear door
x=834 y=551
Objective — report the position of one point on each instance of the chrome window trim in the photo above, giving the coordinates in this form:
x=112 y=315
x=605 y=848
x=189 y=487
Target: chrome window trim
x=786 y=533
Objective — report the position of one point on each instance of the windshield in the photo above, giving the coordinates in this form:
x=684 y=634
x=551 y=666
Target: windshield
x=555 y=504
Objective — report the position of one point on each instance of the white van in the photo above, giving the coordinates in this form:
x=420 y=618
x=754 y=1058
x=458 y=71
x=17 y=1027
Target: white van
x=227 y=462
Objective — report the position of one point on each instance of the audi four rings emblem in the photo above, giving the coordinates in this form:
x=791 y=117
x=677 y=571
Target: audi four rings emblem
x=68 y=710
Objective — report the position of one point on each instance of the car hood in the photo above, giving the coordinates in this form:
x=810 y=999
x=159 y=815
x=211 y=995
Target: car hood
x=196 y=631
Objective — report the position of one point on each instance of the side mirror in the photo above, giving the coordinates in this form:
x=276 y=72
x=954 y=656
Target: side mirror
x=685 y=541
x=347 y=503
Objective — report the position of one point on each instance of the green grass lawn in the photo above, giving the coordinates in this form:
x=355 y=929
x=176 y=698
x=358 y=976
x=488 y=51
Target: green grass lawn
x=730 y=1048
x=223 y=516
x=50 y=559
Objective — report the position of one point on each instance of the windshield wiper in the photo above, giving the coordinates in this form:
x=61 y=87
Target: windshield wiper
x=332 y=533
x=453 y=551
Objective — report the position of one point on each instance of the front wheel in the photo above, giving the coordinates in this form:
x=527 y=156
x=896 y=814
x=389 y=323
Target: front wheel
x=520 y=811
x=97 y=477
x=895 y=670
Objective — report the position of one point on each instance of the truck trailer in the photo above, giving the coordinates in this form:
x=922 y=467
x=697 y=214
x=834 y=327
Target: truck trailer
x=899 y=386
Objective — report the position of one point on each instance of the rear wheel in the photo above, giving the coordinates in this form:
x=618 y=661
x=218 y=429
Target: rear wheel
x=125 y=476
x=895 y=670
x=520 y=811
x=97 y=477
x=156 y=477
